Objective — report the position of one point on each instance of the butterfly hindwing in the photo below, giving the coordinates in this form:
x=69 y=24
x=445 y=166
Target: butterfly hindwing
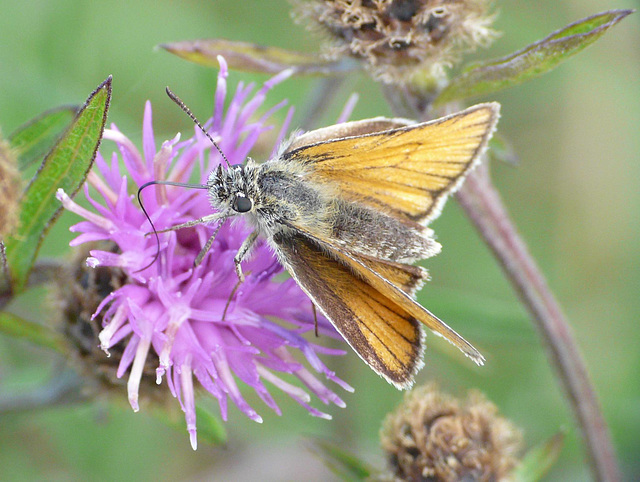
x=395 y=282
x=407 y=277
x=372 y=273
x=384 y=334
x=346 y=129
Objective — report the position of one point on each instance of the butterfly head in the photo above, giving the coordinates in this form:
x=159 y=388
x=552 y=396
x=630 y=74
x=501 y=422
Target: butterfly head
x=231 y=190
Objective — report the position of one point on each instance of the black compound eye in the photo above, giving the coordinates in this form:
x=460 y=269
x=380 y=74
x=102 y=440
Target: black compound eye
x=242 y=204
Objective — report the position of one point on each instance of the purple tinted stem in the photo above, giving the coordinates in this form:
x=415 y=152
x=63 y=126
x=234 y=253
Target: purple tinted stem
x=483 y=205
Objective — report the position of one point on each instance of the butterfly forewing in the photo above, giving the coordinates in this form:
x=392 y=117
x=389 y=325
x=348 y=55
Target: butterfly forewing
x=347 y=129
x=384 y=334
x=407 y=171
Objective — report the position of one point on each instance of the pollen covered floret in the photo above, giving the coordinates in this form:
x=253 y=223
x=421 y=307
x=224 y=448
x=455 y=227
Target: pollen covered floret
x=184 y=319
x=396 y=37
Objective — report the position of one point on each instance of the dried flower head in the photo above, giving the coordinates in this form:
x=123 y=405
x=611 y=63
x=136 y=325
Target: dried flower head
x=398 y=37
x=10 y=191
x=432 y=436
x=183 y=319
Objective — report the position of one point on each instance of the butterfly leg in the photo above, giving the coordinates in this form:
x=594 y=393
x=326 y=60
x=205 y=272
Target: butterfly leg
x=237 y=259
x=207 y=246
x=315 y=318
x=195 y=222
x=242 y=253
x=231 y=295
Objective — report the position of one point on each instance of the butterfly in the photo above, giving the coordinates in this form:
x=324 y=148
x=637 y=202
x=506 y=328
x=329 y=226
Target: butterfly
x=346 y=210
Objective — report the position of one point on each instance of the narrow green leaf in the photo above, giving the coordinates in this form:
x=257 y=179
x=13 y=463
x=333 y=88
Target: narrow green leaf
x=343 y=464
x=33 y=140
x=534 y=60
x=17 y=327
x=251 y=57
x=539 y=460
x=501 y=149
x=66 y=166
x=502 y=320
x=210 y=427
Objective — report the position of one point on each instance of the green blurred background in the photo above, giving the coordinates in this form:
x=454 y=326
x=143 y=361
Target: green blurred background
x=574 y=197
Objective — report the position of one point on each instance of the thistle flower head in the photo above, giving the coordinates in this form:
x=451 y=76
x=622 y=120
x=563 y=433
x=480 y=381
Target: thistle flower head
x=398 y=37
x=77 y=294
x=432 y=436
x=171 y=312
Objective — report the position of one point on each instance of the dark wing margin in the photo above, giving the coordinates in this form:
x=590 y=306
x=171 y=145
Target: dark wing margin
x=373 y=272
x=381 y=331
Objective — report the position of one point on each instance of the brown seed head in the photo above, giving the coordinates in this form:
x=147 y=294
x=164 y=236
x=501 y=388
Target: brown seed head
x=397 y=37
x=432 y=436
x=77 y=297
x=10 y=189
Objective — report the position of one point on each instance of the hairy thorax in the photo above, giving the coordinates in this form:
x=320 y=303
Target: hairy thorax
x=285 y=198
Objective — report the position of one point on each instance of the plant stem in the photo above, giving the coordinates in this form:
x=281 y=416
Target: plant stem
x=319 y=101
x=63 y=388
x=485 y=209
x=44 y=271
x=483 y=205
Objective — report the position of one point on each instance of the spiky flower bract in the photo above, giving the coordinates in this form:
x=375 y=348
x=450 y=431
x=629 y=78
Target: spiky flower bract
x=175 y=311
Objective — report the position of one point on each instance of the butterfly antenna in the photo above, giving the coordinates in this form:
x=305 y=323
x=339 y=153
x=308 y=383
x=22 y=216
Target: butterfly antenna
x=155 y=232
x=155 y=258
x=187 y=111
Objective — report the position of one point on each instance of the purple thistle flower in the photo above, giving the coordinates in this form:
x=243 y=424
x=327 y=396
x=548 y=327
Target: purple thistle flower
x=176 y=310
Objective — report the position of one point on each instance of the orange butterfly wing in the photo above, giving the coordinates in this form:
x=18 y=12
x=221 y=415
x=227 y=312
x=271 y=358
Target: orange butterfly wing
x=406 y=171
x=377 y=275
x=381 y=331
x=395 y=282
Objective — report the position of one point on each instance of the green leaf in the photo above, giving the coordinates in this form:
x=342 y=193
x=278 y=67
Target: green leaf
x=501 y=149
x=539 y=460
x=343 y=464
x=536 y=59
x=251 y=57
x=17 y=327
x=503 y=321
x=210 y=427
x=66 y=166
x=33 y=140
